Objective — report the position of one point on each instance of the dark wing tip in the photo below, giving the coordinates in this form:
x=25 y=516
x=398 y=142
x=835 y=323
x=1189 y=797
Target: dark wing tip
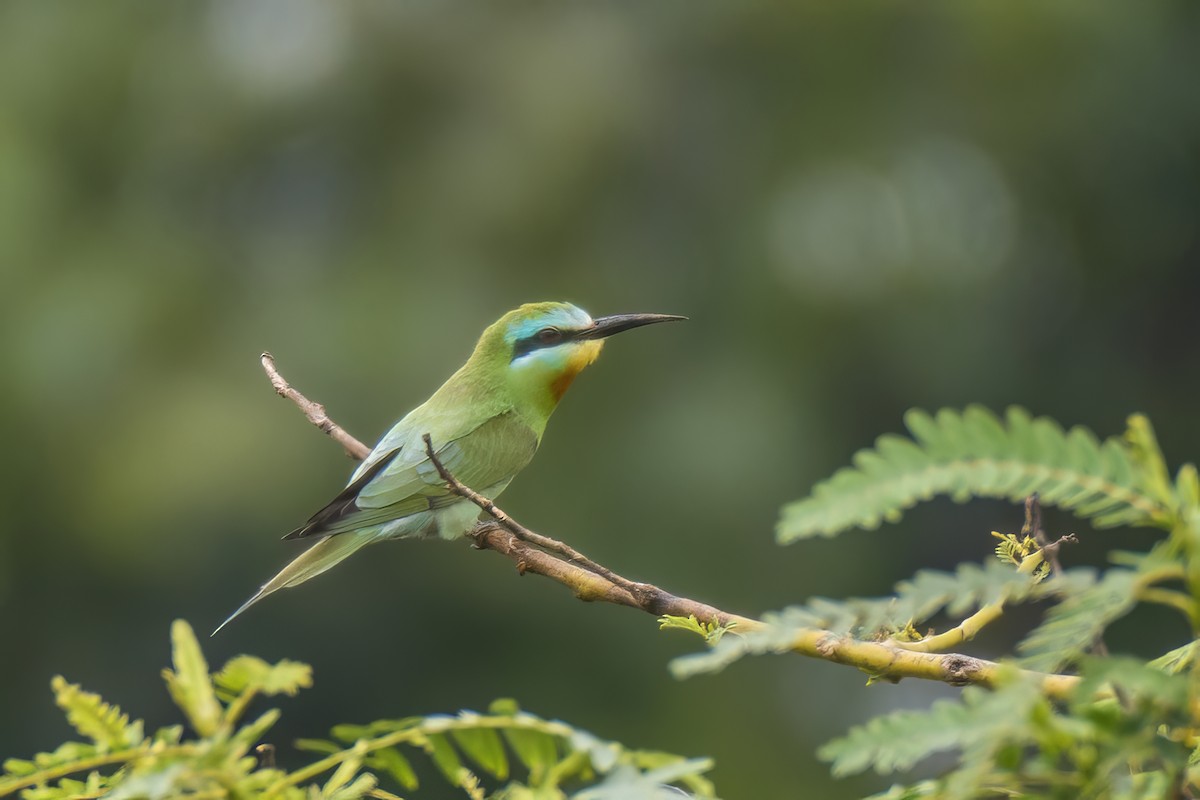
x=342 y=505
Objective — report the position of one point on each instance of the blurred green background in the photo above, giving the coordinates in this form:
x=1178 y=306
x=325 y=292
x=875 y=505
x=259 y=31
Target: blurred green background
x=863 y=207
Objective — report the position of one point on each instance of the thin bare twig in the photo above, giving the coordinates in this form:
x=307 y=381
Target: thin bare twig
x=1033 y=527
x=592 y=582
x=314 y=411
x=523 y=533
x=590 y=585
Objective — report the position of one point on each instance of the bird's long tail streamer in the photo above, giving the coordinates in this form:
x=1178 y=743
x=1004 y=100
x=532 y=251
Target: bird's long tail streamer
x=311 y=563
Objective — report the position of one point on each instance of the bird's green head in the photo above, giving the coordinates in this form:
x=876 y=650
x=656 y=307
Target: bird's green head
x=541 y=347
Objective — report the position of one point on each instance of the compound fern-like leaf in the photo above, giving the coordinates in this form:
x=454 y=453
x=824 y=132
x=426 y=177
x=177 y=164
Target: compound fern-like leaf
x=976 y=454
x=189 y=682
x=104 y=724
x=1073 y=626
x=897 y=741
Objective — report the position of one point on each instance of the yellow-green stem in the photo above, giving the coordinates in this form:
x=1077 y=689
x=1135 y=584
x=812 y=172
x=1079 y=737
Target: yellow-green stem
x=964 y=631
x=970 y=627
x=235 y=710
x=84 y=765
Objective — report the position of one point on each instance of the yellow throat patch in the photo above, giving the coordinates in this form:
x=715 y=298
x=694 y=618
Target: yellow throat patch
x=584 y=354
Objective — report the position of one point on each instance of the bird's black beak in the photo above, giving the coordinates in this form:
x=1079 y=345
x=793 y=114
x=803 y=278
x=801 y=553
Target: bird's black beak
x=607 y=326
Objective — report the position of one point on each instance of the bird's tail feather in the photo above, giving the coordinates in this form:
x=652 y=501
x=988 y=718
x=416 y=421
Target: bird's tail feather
x=309 y=564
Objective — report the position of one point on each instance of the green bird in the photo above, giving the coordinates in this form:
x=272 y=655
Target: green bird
x=485 y=424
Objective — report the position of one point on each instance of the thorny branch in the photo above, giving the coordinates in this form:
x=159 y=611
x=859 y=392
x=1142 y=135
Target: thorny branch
x=542 y=555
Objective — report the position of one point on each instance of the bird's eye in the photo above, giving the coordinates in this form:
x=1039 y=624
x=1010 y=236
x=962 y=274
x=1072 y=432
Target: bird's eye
x=549 y=335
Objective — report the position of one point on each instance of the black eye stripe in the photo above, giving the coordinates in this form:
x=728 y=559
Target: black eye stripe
x=527 y=345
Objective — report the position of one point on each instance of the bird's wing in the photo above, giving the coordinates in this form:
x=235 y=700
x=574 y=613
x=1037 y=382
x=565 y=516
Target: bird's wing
x=393 y=488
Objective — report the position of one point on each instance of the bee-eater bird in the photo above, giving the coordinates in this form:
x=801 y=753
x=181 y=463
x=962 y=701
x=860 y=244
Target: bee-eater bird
x=485 y=424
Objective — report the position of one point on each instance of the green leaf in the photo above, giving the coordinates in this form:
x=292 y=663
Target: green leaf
x=1147 y=455
x=917 y=791
x=1137 y=682
x=1178 y=660
x=974 y=454
x=251 y=733
x=483 y=746
x=244 y=673
x=504 y=706
x=899 y=740
x=65 y=753
x=627 y=783
x=170 y=734
x=1187 y=491
x=536 y=750
x=104 y=724
x=352 y=790
x=352 y=733
x=70 y=789
x=445 y=757
x=776 y=635
x=19 y=767
x=159 y=784
x=393 y=762
x=1072 y=626
x=711 y=631
x=688 y=623
x=669 y=768
x=189 y=683
x=344 y=774
x=515 y=791
x=604 y=755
